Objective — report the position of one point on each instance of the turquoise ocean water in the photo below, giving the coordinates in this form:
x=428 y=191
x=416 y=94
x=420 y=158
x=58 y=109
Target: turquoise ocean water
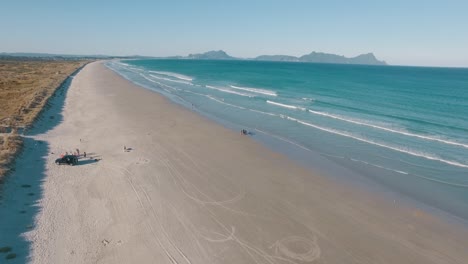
x=404 y=128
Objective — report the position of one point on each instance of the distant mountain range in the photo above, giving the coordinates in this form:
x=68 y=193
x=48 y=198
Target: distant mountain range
x=315 y=57
x=48 y=56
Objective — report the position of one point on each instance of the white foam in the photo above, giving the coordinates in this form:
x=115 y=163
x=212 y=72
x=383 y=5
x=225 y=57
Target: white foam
x=409 y=152
x=255 y=90
x=153 y=81
x=261 y=112
x=379 y=166
x=156 y=82
x=171 y=80
x=175 y=75
x=388 y=129
x=222 y=102
x=286 y=106
x=228 y=91
x=419 y=176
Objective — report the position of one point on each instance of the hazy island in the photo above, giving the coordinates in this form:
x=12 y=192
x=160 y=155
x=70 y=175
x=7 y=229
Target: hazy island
x=313 y=57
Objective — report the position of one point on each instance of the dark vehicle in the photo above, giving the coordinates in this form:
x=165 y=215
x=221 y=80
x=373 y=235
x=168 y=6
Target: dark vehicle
x=68 y=159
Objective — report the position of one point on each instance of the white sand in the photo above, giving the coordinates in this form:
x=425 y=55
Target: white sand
x=191 y=191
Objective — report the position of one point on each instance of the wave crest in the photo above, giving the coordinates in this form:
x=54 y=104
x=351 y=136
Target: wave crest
x=286 y=105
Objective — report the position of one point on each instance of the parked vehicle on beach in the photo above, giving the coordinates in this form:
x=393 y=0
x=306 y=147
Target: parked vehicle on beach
x=68 y=159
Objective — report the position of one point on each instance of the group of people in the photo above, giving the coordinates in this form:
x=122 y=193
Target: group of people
x=76 y=153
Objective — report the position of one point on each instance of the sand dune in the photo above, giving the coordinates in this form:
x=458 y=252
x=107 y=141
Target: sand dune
x=191 y=191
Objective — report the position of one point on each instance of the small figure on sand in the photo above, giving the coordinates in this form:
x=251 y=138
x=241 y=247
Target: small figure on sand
x=244 y=132
x=125 y=149
x=84 y=154
x=78 y=152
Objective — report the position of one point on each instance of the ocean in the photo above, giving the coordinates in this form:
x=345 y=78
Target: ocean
x=402 y=128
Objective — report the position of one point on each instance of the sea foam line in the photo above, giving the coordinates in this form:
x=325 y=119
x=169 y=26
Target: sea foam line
x=379 y=166
x=255 y=90
x=222 y=102
x=175 y=75
x=286 y=106
x=429 y=157
x=228 y=91
x=389 y=129
x=171 y=80
x=415 y=175
x=156 y=82
x=232 y=105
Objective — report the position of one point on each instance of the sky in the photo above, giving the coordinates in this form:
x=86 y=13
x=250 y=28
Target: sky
x=411 y=32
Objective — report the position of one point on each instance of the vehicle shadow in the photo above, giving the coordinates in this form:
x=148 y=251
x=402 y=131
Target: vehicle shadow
x=22 y=190
x=82 y=162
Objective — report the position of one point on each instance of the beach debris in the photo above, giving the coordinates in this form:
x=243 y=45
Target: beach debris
x=105 y=242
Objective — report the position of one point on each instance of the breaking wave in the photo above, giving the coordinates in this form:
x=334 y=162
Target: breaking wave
x=286 y=106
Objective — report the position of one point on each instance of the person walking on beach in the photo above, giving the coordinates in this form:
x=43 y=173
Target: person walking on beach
x=84 y=154
x=125 y=149
x=78 y=152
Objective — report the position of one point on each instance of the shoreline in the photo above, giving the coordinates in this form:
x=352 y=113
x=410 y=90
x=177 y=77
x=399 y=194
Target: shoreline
x=190 y=190
x=352 y=172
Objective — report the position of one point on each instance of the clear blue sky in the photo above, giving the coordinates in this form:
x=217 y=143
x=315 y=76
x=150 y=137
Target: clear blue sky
x=419 y=32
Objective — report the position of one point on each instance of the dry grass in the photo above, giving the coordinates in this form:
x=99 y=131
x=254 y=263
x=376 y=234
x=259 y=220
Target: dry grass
x=25 y=87
x=10 y=144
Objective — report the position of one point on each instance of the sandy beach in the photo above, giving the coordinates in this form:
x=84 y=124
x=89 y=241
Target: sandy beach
x=187 y=190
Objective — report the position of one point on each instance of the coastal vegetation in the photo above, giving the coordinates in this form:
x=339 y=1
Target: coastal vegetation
x=25 y=87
